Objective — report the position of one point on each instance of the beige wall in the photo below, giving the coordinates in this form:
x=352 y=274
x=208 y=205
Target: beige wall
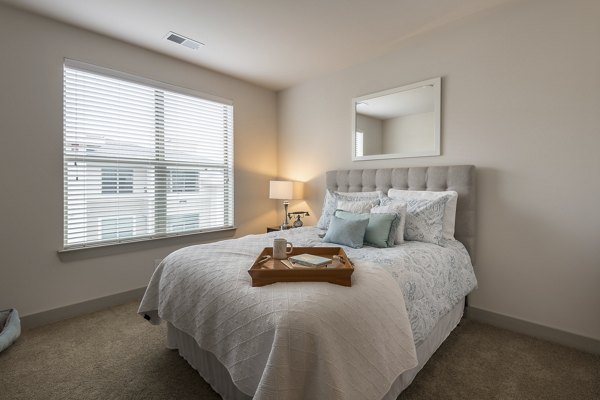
x=372 y=129
x=409 y=133
x=33 y=277
x=521 y=101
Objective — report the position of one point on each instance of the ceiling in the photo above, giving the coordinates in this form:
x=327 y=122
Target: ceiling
x=273 y=43
x=405 y=102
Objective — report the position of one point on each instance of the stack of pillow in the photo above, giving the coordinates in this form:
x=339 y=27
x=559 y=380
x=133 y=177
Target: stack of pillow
x=375 y=219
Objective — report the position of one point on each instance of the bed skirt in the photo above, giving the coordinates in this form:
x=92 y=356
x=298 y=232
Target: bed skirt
x=219 y=379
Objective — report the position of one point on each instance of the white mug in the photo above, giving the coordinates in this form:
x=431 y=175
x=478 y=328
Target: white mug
x=280 y=249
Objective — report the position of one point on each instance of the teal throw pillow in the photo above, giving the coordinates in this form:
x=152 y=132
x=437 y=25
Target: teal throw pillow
x=346 y=232
x=381 y=230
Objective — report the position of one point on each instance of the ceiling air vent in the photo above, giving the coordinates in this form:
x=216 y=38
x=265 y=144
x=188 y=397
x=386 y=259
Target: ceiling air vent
x=180 y=39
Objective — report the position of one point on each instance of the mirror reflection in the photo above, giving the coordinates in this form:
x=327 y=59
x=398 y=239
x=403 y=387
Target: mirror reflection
x=397 y=123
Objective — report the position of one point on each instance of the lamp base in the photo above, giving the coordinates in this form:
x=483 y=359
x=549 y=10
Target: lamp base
x=286 y=224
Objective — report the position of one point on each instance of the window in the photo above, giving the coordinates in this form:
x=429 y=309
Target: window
x=183 y=181
x=115 y=228
x=117 y=180
x=142 y=159
x=359 y=144
x=179 y=222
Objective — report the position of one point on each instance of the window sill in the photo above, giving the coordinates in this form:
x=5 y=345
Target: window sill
x=209 y=234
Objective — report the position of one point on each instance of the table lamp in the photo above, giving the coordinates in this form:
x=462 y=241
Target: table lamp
x=285 y=190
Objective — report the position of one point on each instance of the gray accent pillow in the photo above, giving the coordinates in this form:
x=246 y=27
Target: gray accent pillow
x=10 y=327
x=381 y=230
x=346 y=232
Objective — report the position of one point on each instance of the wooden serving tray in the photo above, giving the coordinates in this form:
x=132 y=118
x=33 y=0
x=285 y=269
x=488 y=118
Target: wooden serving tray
x=271 y=271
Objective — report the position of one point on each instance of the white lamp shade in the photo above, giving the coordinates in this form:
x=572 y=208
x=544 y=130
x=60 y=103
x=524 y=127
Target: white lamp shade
x=282 y=190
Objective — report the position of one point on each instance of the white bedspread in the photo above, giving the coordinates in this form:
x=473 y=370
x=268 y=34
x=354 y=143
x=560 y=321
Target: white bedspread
x=286 y=340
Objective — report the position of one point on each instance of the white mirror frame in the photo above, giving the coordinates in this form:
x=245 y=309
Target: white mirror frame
x=437 y=102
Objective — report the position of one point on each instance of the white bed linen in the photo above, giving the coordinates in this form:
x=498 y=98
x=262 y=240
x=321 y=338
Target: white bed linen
x=433 y=278
x=286 y=340
x=219 y=379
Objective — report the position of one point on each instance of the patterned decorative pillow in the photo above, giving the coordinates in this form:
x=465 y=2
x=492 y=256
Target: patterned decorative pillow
x=356 y=206
x=329 y=205
x=397 y=207
x=331 y=199
x=449 y=213
x=425 y=220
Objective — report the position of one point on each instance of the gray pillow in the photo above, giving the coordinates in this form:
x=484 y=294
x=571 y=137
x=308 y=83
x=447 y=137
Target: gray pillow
x=381 y=230
x=346 y=232
x=10 y=327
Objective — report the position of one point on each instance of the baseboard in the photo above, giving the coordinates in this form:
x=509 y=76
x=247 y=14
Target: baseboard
x=532 y=329
x=569 y=339
x=75 y=310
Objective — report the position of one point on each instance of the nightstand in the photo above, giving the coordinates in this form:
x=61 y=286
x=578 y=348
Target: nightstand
x=276 y=228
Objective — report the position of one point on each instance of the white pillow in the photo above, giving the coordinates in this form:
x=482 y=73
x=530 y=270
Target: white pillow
x=449 y=212
x=397 y=207
x=331 y=199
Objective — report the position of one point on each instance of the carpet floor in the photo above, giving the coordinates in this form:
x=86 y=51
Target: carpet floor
x=115 y=354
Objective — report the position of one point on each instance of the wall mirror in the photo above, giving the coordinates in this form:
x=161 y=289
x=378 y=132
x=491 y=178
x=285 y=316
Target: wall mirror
x=398 y=123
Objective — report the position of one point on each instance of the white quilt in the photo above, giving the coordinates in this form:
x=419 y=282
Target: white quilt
x=287 y=340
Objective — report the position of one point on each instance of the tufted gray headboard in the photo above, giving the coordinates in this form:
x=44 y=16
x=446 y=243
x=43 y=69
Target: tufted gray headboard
x=460 y=178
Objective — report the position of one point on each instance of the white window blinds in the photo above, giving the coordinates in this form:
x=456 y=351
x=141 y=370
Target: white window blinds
x=359 y=144
x=142 y=159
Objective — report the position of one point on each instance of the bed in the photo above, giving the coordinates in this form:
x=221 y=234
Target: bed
x=318 y=340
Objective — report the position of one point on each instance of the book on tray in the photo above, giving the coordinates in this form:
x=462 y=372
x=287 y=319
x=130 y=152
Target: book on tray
x=310 y=260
